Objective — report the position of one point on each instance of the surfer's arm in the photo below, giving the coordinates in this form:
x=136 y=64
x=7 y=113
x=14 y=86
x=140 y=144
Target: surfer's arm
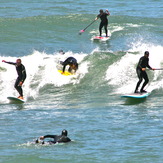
x=47 y=136
x=107 y=12
x=63 y=70
x=149 y=66
x=142 y=64
x=12 y=63
x=98 y=16
x=23 y=74
x=65 y=63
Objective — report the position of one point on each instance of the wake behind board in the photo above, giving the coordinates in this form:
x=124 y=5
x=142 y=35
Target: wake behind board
x=136 y=95
x=66 y=73
x=15 y=100
x=101 y=38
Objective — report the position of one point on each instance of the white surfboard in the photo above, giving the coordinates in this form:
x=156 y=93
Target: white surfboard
x=136 y=95
x=15 y=100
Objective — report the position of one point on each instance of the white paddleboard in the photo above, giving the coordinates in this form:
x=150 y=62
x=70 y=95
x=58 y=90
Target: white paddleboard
x=15 y=100
x=102 y=38
x=136 y=95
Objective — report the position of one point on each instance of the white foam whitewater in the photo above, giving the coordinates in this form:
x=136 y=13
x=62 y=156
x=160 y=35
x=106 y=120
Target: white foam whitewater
x=122 y=74
x=41 y=69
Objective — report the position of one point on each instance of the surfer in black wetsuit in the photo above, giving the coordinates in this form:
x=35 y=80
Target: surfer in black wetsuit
x=104 y=21
x=56 y=138
x=21 y=76
x=141 y=67
x=72 y=62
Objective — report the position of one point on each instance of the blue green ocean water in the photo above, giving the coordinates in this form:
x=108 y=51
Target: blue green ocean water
x=103 y=126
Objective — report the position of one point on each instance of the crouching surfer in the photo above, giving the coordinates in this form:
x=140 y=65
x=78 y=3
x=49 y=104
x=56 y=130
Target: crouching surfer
x=72 y=62
x=56 y=138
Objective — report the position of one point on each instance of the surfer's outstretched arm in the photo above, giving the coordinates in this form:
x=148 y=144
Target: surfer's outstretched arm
x=12 y=63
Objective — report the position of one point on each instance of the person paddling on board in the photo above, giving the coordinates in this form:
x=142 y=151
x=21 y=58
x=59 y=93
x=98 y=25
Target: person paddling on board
x=141 y=67
x=104 y=21
x=56 y=138
x=61 y=52
x=72 y=62
x=21 y=76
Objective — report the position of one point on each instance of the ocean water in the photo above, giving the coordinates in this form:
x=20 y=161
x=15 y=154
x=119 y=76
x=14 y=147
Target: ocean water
x=103 y=126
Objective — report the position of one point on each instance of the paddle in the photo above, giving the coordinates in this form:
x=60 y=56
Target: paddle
x=83 y=30
x=158 y=69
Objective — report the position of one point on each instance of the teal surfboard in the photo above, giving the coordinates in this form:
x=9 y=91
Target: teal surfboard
x=15 y=100
x=136 y=95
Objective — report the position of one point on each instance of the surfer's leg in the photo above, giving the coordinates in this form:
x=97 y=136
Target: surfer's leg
x=18 y=88
x=100 y=28
x=16 y=84
x=145 y=82
x=20 y=91
x=140 y=80
x=137 y=86
x=106 y=30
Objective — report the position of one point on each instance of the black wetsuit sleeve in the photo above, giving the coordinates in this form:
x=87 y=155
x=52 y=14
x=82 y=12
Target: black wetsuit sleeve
x=148 y=64
x=50 y=136
x=65 y=63
x=11 y=63
x=140 y=63
x=23 y=73
x=98 y=16
x=64 y=68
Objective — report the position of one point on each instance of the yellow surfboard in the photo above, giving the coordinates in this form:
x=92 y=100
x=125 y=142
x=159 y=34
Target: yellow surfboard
x=66 y=73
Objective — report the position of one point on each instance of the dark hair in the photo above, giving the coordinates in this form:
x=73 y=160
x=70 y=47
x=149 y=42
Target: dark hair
x=101 y=11
x=146 y=53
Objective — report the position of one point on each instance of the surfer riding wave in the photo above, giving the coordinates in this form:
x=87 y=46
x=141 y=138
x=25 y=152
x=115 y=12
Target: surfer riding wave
x=21 y=76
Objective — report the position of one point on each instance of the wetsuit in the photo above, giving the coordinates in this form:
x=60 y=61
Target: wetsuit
x=69 y=61
x=143 y=63
x=21 y=76
x=58 y=139
x=104 y=22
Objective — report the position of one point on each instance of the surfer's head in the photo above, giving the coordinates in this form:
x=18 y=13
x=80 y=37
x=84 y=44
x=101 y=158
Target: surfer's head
x=146 y=53
x=61 y=52
x=18 y=62
x=64 y=132
x=101 y=11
